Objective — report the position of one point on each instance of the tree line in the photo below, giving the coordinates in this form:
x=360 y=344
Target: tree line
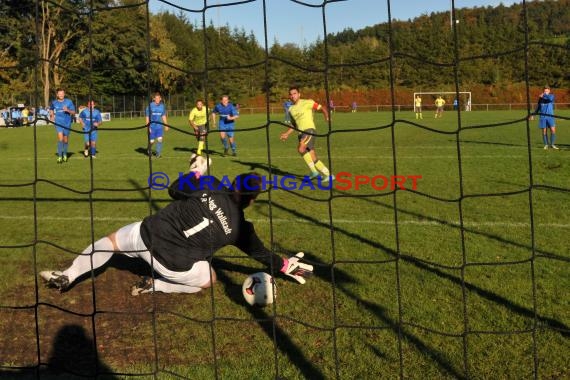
x=115 y=47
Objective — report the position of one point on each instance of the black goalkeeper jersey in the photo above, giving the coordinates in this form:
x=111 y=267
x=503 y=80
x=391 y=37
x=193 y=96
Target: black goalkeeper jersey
x=199 y=222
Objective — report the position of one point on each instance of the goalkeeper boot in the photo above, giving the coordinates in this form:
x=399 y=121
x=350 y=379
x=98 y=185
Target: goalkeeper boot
x=55 y=279
x=143 y=286
x=546 y=147
x=327 y=178
x=314 y=175
x=554 y=147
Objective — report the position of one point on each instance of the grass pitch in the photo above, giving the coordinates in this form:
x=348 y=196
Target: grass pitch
x=467 y=276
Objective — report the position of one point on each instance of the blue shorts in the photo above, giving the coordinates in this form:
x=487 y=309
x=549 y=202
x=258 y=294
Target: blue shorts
x=64 y=131
x=228 y=129
x=155 y=133
x=93 y=136
x=546 y=122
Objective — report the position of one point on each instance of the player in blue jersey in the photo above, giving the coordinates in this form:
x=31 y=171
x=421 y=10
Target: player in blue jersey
x=61 y=113
x=157 y=123
x=545 y=108
x=90 y=118
x=286 y=107
x=228 y=114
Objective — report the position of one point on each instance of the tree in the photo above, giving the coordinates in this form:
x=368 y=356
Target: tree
x=167 y=68
x=61 y=24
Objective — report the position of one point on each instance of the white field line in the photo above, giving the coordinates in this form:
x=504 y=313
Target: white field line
x=300 y=220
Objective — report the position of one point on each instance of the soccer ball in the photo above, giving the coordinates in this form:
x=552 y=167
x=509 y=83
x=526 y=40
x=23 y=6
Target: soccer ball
x=259 y=289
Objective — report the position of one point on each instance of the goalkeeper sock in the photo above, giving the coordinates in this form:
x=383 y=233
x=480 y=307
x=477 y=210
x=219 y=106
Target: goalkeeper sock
x=82 y=263
x=200 y=147
x=309 y=162
x=545 y=139
x=165 y=286
x=322 y=168
x=552 y=138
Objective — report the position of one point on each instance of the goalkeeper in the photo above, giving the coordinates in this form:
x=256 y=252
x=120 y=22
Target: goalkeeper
x=179 y=241
x=545 y=108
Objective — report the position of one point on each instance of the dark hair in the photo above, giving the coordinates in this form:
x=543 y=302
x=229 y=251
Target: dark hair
x=294 y=88
x=248 y=186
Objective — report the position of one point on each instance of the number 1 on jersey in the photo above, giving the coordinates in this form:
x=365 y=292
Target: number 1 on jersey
x=197 y=228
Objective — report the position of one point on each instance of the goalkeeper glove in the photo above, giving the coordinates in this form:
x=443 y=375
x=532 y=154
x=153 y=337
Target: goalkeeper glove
x=292 y=267
x=199 y=165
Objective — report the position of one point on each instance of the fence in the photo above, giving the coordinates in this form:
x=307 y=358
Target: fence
x=365 y=108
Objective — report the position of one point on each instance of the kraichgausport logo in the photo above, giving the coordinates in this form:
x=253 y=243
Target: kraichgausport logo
x=342 y=181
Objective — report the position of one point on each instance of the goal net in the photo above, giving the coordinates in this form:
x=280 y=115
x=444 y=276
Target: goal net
x=462 y=277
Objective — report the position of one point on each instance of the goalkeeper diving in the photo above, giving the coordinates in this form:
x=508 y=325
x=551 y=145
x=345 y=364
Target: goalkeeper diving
x=180 y=240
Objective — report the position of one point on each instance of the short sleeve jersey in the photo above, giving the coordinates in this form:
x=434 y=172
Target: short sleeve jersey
x=155 y=112
x=302 y=113
x=199 y=117
x=62 y=118
x=224 y=112
x=87 y=116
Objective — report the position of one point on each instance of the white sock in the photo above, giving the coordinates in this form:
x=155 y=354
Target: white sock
x=165 y=286
x=102 y=252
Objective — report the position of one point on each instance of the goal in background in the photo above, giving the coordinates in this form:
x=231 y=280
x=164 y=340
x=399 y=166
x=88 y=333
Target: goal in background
x=463 y=97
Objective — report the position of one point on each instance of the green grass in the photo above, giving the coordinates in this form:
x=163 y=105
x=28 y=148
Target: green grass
x=464 y=278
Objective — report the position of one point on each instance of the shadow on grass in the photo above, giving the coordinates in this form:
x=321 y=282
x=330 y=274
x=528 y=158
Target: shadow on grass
x=205 y=152
x=266 y=321
x=142 y=150
x=488 y=143
x=73 y=355
x=529 y=313
x=378 y=310
x=153 y=203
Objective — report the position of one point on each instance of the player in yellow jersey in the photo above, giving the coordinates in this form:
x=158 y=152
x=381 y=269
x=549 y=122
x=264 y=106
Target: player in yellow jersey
x=198 y=119
x=418 y=107
x=439 y=103
x=302 y=118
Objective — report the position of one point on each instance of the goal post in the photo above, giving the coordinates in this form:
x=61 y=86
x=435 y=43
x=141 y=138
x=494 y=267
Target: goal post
x=463 y=98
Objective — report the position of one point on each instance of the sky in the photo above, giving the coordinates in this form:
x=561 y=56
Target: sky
x=291 y=22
